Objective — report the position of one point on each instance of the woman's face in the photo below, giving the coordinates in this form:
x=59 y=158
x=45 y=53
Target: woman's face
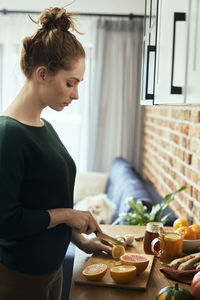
x=59 y=90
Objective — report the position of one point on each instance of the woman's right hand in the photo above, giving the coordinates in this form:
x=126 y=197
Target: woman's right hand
x=81 y=221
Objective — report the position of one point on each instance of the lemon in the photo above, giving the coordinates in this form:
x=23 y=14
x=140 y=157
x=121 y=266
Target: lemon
x=117 y=251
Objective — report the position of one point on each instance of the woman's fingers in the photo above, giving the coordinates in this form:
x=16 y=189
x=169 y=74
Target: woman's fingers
x=84 y=222
x=97 y=226
x=92 y=225
x=107 y=249
x=94 y=245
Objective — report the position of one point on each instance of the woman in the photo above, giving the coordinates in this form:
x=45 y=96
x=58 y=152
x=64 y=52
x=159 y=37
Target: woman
x=37 y=174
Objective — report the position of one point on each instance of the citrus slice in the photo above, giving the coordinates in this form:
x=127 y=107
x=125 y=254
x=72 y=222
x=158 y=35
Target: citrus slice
x=117 y=251
x=123 y=274
x=139 y=261
x=95 y=271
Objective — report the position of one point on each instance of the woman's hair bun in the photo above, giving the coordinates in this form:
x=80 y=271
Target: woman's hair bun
x=53 y=45
x=55 y=17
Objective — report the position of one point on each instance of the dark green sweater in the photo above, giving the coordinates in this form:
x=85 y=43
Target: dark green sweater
x=36 y=173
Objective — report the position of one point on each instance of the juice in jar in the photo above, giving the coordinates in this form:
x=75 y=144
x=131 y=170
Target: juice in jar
x=171 y=247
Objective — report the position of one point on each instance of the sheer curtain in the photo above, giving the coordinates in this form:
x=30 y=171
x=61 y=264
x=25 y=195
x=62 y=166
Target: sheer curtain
x=116 y=116
x=72 y=123
x=13 y=28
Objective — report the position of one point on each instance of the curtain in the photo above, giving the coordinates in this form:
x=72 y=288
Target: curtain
x=116 y=117
x=13 y=28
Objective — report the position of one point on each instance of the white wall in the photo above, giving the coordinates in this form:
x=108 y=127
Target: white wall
x=95 y=6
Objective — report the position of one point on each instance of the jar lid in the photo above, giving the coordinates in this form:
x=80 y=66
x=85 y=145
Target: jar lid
x=154 y=226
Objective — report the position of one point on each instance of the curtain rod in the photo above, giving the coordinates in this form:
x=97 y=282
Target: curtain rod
x=130 y=16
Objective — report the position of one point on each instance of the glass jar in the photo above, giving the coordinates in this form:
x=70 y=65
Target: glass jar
x=152 y=231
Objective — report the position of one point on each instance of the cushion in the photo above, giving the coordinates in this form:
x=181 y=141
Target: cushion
x=89 y=184
x=124 y=182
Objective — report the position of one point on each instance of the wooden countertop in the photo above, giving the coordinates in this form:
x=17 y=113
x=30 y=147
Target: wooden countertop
x=87 y=292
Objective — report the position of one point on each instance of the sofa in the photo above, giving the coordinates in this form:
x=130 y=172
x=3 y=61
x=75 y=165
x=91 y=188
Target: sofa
x=122 y=182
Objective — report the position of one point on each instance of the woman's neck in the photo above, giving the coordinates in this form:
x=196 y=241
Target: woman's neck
x=26 y=107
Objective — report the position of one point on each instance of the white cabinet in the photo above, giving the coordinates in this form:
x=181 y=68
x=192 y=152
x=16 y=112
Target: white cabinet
x=171 y=52
x=149 y=53
x=170 y=83
x=193 y=63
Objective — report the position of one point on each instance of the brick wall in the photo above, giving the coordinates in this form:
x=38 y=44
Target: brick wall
x=172 y=155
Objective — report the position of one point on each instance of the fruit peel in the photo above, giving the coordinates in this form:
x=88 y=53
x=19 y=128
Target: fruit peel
x=132 y=259
x=95 y=271
x=123 y=274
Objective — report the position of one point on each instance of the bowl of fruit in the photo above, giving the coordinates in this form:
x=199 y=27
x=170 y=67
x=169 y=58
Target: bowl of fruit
x=191 y=242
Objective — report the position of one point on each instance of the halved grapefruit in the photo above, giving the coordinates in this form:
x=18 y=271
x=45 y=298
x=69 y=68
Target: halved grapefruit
x=139 y=261
x=123 y=274
x=95 y=271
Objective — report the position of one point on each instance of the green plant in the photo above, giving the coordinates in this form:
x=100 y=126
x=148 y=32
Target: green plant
x=139 y=214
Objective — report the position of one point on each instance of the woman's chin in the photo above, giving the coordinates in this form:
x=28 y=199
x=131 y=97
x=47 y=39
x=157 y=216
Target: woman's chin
x=57 y=108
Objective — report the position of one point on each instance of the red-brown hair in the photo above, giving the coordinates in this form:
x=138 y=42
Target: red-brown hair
x=53 y=45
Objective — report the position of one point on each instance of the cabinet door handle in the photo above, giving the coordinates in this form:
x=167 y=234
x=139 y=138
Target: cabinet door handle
x=177 y=17
x=149 y=49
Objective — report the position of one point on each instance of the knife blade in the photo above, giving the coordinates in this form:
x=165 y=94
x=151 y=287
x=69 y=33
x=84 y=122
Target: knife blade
x=107 y=238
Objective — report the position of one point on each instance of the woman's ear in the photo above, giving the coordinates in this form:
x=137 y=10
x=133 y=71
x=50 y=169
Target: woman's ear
x=41 y=74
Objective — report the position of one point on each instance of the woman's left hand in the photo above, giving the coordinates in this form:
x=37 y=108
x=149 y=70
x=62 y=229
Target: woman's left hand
x=92 y=245
x=95 y=245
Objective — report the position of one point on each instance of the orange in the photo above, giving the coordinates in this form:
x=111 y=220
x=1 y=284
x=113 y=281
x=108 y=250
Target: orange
x=196 y=229
x=179 y=222
x=117 y=251
x=139 y=261
x=95 y=271
x=189 y=234
x=123 y=274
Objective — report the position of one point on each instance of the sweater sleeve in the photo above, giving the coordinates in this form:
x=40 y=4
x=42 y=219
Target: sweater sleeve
x=15 y=220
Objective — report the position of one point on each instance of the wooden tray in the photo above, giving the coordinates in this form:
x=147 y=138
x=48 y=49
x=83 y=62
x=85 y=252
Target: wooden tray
x=139 y=283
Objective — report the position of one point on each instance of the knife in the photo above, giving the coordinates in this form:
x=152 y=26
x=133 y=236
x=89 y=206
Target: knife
x=107 y=238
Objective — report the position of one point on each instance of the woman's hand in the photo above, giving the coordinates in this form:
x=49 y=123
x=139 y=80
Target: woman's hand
x=89 y=245
x=81 y=221
x=95 y=245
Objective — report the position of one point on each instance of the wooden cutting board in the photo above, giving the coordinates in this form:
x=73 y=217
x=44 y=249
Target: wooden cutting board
x=139 y=283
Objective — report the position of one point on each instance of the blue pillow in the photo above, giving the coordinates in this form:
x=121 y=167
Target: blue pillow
x=124 y=182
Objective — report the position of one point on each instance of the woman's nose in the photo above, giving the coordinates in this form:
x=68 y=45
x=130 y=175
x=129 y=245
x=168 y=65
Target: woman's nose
x=75 y=94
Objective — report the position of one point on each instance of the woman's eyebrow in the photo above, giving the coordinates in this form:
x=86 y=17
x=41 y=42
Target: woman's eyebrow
x=74 y=78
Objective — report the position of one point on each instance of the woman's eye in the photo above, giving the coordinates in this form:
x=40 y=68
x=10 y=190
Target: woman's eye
x=69 y=85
